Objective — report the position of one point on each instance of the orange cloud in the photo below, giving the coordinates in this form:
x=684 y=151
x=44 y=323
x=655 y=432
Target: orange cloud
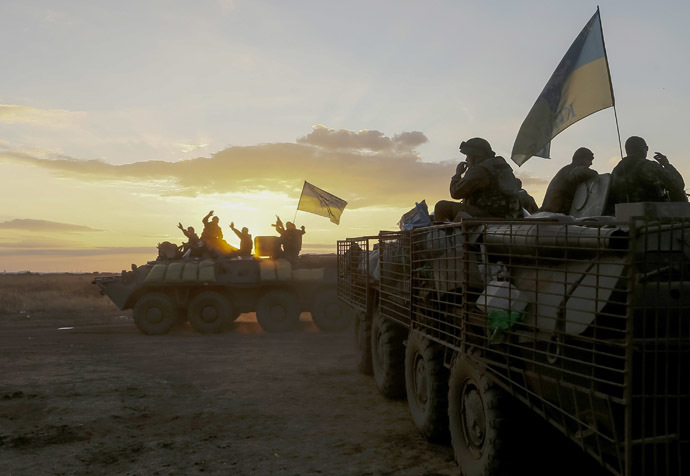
x=366 y=168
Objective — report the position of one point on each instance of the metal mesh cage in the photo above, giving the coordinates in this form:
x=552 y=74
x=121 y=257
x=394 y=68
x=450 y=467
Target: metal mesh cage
x=586 y=323
x=353 y=271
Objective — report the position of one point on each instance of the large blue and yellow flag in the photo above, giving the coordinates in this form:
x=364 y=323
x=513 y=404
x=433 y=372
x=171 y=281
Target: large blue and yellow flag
x=317 y=201
x=580 y=86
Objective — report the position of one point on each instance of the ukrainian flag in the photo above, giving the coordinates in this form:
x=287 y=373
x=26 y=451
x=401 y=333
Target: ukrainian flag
x=317 y=201
x=580 y=86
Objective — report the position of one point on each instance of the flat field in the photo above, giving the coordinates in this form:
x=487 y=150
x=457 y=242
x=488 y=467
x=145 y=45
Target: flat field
x=83 y=392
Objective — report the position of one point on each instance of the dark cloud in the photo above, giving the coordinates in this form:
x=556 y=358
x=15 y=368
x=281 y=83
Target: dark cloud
x=375 y=141
x=44 y=225
x=410 y=139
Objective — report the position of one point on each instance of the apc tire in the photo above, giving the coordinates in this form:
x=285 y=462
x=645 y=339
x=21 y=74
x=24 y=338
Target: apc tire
x=362 y=328
x=330 y=314
x=388 y=356
x=208 y=311
x=483 y=429
x=426 y=382
x=277 y=311
x=155 y=314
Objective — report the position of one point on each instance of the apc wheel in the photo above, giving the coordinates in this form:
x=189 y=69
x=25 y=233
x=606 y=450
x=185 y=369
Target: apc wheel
x=388 y=356
x=483 y=429
x=208 y=311
x=426 y=382
x=362 y=328
x=330 y=313
x=277 y=311
x=155 y=314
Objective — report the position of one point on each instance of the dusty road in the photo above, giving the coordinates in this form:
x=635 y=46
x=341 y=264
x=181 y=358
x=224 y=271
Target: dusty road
x=104 y=399
x=100 y=398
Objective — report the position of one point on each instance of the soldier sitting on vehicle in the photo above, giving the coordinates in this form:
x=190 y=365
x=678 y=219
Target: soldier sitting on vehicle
x=561 y=190
x=636 y=179
x=193 y=244
x=290 y=240
x=212 y=236
x=485 y=183
x=246 y=243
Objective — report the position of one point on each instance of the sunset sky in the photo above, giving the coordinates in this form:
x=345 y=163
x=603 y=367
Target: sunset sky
x=120 y=119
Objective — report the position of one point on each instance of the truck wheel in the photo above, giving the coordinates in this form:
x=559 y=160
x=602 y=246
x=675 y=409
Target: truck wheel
x=388 y=356
x=362 y=327
x=277 y=311
x=208 y=311
x=330 y=314
x=426 y=382
x=155 y=314
x=483 y=428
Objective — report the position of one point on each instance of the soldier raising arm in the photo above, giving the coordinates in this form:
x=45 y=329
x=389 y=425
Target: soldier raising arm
x=636 y=179
x=245 y=240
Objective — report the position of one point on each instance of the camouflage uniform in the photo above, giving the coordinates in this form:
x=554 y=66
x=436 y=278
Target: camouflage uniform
x=561 y=190
x=636 y=179
x=485 y=183
x=488 y=188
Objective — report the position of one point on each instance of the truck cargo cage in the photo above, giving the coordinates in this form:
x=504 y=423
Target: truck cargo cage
x=394 y=299
x=354 y=275
x=586 y=323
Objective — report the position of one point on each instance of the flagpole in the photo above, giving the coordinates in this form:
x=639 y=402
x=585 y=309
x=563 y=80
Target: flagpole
x=618 y=131
x=613 y=97
x=297 y=209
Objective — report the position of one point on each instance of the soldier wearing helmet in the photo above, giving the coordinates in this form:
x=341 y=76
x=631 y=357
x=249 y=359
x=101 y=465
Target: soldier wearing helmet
x=485 y=183
x=636 y=179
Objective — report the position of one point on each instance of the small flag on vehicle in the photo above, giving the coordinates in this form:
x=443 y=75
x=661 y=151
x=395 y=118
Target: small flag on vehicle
x=317 y=201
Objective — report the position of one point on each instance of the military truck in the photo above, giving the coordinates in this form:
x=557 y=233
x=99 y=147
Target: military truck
x=210 y=293
x=583 y=321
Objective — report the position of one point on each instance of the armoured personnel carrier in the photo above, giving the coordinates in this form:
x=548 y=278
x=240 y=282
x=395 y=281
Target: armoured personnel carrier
x=586 y=322
x=210 y=293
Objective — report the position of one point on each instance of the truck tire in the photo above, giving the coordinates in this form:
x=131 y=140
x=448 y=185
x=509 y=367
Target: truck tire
x=388 y=356
x=208 y=311
x=155 y=314
x=483 y=429
x=277 y=311
x=362 y=327
x=426 y=382
x=330 y=314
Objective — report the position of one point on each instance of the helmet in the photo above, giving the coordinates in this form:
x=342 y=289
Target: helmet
x=477 y=146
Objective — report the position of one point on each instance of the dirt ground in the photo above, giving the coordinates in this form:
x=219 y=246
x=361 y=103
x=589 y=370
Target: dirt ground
x=91 y=395
x=101 y=398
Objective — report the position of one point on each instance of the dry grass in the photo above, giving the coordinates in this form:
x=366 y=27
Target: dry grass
x=52 y=294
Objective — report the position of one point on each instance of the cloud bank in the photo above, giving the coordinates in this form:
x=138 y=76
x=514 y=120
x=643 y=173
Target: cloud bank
x=44 y=225
x=15 y=114
x=365 y=168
